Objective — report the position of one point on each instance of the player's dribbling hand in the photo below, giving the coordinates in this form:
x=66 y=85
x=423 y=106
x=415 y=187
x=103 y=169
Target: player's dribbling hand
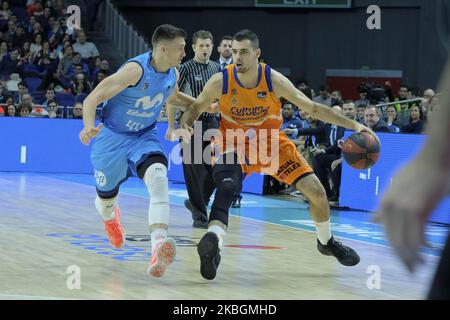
x=362 y=128
x=89 y=132
x=170 y=134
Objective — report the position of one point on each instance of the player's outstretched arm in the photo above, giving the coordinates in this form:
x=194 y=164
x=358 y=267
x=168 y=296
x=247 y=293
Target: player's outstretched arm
x=211 y=92
x=128 y=75
x=284 y=88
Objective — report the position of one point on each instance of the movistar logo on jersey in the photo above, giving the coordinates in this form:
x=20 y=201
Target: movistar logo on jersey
x=259 y=111
x=145 y=105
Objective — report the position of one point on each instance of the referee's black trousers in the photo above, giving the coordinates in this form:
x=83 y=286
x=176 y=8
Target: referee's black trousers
x=198 y=176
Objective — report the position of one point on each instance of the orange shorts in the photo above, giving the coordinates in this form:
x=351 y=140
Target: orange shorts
x=285 y=164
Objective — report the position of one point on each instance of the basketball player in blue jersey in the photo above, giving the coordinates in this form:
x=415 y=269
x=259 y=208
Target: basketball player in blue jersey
x=126 y=141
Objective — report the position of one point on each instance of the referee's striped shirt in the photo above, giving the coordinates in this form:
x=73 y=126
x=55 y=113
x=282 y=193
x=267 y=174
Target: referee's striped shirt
x=193 y=77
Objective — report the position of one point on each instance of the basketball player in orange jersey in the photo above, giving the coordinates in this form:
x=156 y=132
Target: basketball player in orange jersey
x=249 y=98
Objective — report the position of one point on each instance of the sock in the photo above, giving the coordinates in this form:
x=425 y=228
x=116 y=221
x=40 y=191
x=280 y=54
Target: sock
x=158 y=236
x=219 y=232
x=106 y=207
x=323 y=231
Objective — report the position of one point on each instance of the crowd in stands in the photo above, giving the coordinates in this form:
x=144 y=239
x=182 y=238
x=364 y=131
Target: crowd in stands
x=46 y=68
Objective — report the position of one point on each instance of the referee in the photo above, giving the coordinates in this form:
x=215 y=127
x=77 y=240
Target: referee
x=194 y=74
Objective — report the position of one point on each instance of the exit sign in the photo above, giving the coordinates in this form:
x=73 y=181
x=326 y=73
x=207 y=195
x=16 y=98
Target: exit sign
x=304 y=3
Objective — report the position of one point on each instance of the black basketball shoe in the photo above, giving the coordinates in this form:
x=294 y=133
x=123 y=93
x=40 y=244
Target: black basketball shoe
x=345 y=255
x=209 y=252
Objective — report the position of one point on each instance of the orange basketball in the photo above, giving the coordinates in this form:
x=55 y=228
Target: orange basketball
x=361 y=150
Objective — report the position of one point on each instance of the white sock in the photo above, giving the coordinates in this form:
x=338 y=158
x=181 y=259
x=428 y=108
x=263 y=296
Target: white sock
x=219 y=232
x=106 y=207
x=323 y=231
x=158 y=236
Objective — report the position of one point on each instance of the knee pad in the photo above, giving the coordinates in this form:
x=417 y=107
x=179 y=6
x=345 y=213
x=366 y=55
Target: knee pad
x=155 y=178
x=227 y=180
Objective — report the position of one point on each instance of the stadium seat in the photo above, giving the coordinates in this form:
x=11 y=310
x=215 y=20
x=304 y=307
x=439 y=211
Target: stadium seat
x=65 y=99
x=32 y=83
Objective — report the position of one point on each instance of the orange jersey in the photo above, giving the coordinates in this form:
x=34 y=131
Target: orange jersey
x=242 y=108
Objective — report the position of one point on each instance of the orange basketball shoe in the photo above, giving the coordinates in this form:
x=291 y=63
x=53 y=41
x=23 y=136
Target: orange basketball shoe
x=114 y=230
x=163 y=256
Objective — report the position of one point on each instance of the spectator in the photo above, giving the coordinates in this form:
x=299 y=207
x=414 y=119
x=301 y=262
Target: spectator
x=360 y=112
x=24 y=111
x=36 y=46
x=29 y=26
x=402 y=95
x=49 y=96
x=11 y=110
x=22 y=90
x=77 y=61
x=392 y=119
x=94 y=65
x=291 y=124
x=100 y=76
x=18 y=39
x=56 y=35
x=416 y=123
x=62 y=46
x=66 y=62
x=85 y=48
x=11 y=32
x=336 y=98
x=53 y=80
x=373 y=121
x=78 y=110
x=11 y=63
x=25 y=52
x=307 y=91
x=52 y=109
x=428 y=94
x=104 y=66
x=349 y=110
x=323 y=97
x=324 y=157
x=3 y=96
x=5 y=12
x=81 y=85
x=2 y=112
x=362 y=99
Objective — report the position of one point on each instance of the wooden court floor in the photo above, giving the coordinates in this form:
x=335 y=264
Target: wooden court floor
x=51 y=233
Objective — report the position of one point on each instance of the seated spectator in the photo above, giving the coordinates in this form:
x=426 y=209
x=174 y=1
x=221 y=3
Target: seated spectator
x=80 y=85
x=49 y=96
x=45 y=63
x=392 y=119
x=22 y=89
x=362 y=99
x=2 y=112
x=324 y=157
x=3 y=96
x=11 y=63
x=24 y=111
x=104 y=66
x=85 y=48
x=52 y=109
x=11 y=110
x=316 y=137
x=100 y=76
x=62 y=46
x=78 y=110
x=94 y=65
x=17 y=40
x=373 y=121
x=77 y=62
x=66 y=62
x=53 y=80
x=307 y=91
x=416 y=123
x=3 y=50
x=360 y=113
x=45 y=52
x=5 y=12
x=25 y=52
x=336 y=98
x=402 y=95
x=323 y=97
x=428 y=94
x=36 y=46
x=291 y=124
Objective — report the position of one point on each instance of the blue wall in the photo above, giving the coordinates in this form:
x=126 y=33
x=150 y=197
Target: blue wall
x=362 y=189
x=52 y=146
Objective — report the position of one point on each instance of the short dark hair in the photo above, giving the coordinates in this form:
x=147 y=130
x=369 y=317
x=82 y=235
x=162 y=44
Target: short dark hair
x=247 y=34
x=166 y=32
x=226 y=38
x=202 y=34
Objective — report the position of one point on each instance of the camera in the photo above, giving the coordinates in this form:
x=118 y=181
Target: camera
x=375 y=93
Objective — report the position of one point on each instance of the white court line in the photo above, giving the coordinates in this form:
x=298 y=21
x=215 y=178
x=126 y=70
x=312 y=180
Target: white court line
x=261 y=221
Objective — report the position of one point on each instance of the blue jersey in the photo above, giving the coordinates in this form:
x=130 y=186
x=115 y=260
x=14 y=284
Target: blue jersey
x=136 y=108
